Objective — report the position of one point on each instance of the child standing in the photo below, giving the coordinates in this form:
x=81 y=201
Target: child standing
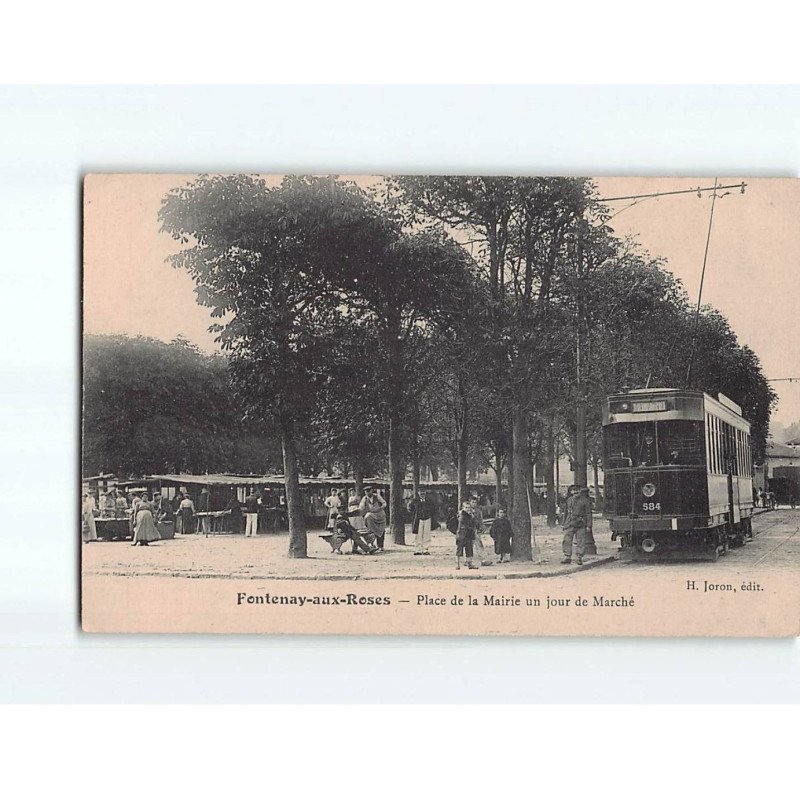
x=501 y=533
x=465 y=536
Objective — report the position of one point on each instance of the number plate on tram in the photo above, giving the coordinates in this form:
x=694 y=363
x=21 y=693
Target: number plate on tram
x=649 y=405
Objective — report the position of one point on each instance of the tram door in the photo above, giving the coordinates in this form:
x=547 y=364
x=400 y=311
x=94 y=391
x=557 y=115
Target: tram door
x=735 y=513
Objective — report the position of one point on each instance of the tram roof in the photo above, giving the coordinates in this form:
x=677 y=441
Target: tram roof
x=658 y=390
x=720 y=406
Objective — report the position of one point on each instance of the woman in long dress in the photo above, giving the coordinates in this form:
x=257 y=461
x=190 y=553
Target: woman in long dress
x=373 y=508
x=186 y=513
x=354 y=514
x=144 y=527
x=332 y=503
x=88 y=526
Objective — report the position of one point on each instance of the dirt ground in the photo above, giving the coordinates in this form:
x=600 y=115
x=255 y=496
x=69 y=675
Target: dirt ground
x=234 y=556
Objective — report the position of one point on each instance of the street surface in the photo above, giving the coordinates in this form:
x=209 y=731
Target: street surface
x=776 y=545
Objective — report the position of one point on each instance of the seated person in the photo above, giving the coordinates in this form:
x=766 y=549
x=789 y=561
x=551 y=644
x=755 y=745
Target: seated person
x=363 y=543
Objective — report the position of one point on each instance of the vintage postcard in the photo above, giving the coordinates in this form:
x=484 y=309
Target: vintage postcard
x=440 y=405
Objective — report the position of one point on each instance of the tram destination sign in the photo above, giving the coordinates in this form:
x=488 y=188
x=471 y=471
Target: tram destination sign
x=645 y=406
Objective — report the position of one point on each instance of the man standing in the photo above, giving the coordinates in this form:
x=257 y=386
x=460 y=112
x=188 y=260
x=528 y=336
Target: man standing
x=108 y=504
x=477 y=544
x=251 y=514
x=204 y=506
x=577 y=522
x=423 y=512
x=120 y=505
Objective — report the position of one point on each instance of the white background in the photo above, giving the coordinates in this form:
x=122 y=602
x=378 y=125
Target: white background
x=50 y=137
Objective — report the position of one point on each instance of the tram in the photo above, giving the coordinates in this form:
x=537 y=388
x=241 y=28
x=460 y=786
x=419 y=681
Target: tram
x=678 y=473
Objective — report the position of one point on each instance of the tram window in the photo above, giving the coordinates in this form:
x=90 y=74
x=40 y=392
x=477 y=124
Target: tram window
x=714 y=446
x=740 y=452
x=630 y=444
x=725 y=447
x=728 y=449
x=650 y=444
x=732 y=450
x=680 y=442
x=712 y=462
x=738 y=436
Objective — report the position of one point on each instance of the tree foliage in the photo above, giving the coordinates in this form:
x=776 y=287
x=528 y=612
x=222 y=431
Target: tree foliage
x=152 y=407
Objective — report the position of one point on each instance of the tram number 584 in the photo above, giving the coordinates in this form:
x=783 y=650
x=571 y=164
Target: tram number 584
x=651 y=506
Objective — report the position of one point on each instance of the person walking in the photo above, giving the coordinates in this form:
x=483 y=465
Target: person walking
x=88 y=525
x=136 y=501
x=423 y=512
x=577 y=521
x=373 y=509
x=502 y=534
x=251 y=514
x=144 y=526
x=465 y=536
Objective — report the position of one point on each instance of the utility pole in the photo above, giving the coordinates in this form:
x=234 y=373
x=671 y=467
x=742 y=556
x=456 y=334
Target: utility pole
x=700 y=293
x=580 y=410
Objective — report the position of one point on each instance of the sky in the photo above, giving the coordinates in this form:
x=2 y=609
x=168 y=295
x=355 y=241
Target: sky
x=751 y=273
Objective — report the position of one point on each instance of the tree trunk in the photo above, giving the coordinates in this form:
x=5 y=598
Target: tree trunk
x=580 y=443
x=520 y=515
x=434 y=472
x=590 y=547
x=358 y=477
x=298 y=541
x=397 y=470
x=498 y=482
x=494 y=269
x=549 y=457
x=558 y=469
x=463 y=490
x=510 y=491
x=415 y=470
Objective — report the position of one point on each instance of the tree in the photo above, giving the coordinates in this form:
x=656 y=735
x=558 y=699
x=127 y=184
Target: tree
x=152 y=407
x=266 y=260
x=519 y=225
x=403 y=295
x=347 y=427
